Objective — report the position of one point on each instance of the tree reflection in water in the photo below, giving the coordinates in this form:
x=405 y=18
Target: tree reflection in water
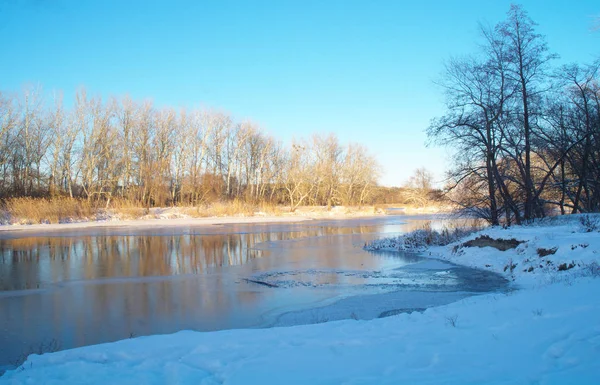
x=33 y=263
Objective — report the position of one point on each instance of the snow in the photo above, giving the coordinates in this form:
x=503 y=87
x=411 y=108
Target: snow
x=573 y=242
x=179 y=216
x=43 y=229
x=546 y=331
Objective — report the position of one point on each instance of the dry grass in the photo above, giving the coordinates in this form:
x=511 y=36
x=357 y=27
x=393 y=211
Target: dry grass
x=220 y=209
x=267 y=208
x=64 y=210
x=236 y=207
x=55 y=210
x=230 y=209
x=127 y=209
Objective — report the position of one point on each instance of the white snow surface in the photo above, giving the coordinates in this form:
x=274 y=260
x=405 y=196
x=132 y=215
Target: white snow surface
x=546 y=331
x=574 y=243
x=145 y=223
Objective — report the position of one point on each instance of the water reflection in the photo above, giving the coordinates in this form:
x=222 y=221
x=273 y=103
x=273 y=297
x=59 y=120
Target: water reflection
x=33 y=263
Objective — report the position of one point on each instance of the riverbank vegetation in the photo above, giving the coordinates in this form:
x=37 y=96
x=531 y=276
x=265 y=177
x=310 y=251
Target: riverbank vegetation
x=69 y=210
x=103 y=150
x=526 y=133
x=120 y=157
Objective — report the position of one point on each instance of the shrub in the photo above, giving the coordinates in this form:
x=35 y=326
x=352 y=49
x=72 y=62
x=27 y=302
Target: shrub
x=452 y=320
x=422 y=239
x=545 y=252
x=564 y=266
x=589 y=223
x=593 y=269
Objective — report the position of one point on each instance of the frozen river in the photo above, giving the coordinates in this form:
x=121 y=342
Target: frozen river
x=88 y=286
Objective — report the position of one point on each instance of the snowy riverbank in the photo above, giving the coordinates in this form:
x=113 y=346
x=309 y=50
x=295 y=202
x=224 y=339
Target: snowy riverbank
x=546 y=332
x=558 y=249
x=186 y=216
x=39 y=229
x=196 y=216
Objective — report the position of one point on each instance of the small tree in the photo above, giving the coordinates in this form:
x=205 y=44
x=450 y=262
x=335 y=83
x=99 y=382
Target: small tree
x=419 y=187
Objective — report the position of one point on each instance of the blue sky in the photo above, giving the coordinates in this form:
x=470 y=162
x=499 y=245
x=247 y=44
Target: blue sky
x=361 y=69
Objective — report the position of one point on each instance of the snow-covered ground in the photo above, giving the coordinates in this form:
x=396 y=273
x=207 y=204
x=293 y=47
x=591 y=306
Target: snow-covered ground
x=189 y=216
x=36 y=229
x=186 y=216
x=554 y=249
x=547 y=331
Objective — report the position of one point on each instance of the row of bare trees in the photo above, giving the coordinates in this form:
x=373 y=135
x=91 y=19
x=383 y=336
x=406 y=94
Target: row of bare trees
x=101 y=150
x=527 y=136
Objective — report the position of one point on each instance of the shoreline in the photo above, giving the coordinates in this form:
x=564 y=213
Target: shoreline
x=10 y=230
x=149 y=223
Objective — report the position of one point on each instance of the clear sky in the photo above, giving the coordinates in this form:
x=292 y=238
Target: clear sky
x=361 y=69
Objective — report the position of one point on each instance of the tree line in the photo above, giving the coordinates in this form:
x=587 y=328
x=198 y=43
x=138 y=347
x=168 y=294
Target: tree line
x=101 y=150
x=526 y=134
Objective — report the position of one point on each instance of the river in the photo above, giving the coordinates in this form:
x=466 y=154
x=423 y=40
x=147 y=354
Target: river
x=67 y=289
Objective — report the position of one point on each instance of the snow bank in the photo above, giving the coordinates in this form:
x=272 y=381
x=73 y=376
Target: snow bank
x=555 y=249
x=180 y=216
x=39 y=229
x=547 y=333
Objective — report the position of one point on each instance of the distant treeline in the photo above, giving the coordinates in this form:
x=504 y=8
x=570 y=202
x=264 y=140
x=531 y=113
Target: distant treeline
x=526 y=134
x=119 y=148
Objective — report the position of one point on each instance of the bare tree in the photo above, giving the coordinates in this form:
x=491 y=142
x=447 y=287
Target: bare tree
x=298 y=175
x=126 y=119
x=200 y=131
x=29 y=141
x=8 y=123
x=419 y=187
x=358 y=175
x=57 y=126
x=495 y=115
x=327 y=154
x=98 y=158
x=477 y=94
x=574 y=137
x=528 y=58
x=142 y=138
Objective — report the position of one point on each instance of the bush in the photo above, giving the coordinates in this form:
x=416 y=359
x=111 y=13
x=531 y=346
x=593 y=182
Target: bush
x=423 y=238
x=593 y=269
x=589 y=223
x=565 y=267
x=545 y=252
